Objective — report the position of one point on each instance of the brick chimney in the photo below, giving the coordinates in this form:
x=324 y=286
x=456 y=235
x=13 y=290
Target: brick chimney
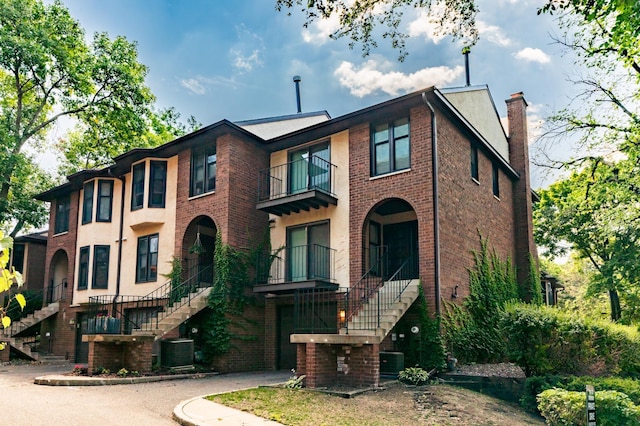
x=522 y=195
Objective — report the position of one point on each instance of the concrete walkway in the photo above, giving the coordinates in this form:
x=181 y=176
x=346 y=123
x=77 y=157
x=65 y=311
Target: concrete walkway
x=193 y=411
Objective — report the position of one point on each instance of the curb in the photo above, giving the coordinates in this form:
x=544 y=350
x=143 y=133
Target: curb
x=59 y=380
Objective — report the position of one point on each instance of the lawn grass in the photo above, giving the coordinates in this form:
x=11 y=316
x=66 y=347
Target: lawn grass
x=303 y=407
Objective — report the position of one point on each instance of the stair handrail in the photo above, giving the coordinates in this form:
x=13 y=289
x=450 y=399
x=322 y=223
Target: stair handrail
x=168 y=296
x=397 y=283
x=17 y=314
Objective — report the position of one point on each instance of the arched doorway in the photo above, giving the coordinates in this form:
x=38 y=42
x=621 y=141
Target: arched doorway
x=390 y=240
x=57 y=288
x=198 y=246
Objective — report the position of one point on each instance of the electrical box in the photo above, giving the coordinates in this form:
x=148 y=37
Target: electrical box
x=176 y=353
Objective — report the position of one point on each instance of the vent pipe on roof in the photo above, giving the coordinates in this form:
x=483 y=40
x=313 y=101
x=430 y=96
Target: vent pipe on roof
x=297 y=80
x=465 y=51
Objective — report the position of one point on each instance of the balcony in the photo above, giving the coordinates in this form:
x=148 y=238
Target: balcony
x=298 y=185
x=295 y=268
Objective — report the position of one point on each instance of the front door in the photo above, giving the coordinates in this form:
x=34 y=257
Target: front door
x=286 y=350
x=401 y=240
x=82 y=348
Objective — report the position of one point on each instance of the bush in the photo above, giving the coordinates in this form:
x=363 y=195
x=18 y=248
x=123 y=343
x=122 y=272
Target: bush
x=413 y=375
x=545 y=340
x=561 y=407
x=535 y=385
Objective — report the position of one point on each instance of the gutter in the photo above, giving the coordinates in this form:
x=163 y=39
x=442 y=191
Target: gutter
x=436 y=214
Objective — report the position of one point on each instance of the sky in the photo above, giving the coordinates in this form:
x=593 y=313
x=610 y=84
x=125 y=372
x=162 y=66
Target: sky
x=235 y=60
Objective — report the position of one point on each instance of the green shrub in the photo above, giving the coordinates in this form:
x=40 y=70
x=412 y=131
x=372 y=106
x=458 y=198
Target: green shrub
x=545 y=340
x=535 y=385
x=413 y=375
x=561 y=407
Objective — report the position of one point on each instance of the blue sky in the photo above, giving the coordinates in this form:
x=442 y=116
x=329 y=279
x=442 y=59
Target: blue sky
x=236 y=59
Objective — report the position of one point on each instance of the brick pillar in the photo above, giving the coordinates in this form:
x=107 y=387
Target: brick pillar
x=105 y=355
x=363 y=366
x=138 y=354
x=519 y=159
x=4 y=354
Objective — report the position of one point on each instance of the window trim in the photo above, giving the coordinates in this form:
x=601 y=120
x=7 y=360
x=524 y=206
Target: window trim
x=94 y=270
x=154 y=167
x=474 y=163
x=149 y=265
x=206 y=151
x=392 y=141
x=87 y=202
x=140 y=167
x=102 y=197
x=495 y=173
x=83 y=276
x=62 y=220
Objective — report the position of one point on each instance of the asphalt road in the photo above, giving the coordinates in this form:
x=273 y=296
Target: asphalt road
x=22 y=403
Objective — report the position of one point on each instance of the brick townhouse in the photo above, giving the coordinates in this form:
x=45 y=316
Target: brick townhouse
x=361 y=210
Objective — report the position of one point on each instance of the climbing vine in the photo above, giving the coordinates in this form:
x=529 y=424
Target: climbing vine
x=471 y=331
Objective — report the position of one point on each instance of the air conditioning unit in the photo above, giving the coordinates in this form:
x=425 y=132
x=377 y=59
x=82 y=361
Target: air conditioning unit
x=391 y=363
x=176 y=353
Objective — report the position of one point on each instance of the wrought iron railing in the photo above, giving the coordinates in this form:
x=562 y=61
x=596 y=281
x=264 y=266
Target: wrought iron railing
x=365 y=306
x=297 y=263
x=296 y=176
x=35 y=300
x=360 y=307
x=317 y=310
x=122 y=314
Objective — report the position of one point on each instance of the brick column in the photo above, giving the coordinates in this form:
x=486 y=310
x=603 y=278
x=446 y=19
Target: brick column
x=138 y=354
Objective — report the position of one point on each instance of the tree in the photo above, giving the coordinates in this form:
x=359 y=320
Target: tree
x=358 y=19
x=8 y=278
x=47 y=71
x=595 y=212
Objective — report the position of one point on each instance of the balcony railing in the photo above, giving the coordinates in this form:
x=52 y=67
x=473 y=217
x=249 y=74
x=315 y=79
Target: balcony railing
x=297 y=185
x=296 y=267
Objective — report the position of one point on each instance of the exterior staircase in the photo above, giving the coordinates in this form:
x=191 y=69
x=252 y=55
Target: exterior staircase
x=363 y=323
x=168 y=320
x=10 y=334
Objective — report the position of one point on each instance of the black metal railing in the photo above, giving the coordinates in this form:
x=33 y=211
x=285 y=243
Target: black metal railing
x=296 y=176
x=35 y=300
x=367 y=301
x=122 y=314
x=317 y=310
x=297 y=263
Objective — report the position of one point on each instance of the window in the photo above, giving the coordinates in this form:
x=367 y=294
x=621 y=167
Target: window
x=496 y=180
x=83 y=269
x=308 y=254
x=87 y=203
x=137 y=187
x=390 y=147
x=17 y=257
x=310 y=168
x=157 y=183
x=105 y=199
x=147 y=259
x=474 y=163
x=100 y=267
x=63 y=205
x=203 y=170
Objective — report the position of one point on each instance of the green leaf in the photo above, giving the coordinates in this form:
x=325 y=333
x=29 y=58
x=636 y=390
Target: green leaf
x=6 y=321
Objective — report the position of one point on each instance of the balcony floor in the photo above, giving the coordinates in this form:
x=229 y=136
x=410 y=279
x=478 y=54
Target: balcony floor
x=292 y=286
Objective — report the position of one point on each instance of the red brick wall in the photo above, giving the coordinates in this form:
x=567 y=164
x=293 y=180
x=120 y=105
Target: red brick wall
x=35 y=264
x=414 y=186
x=344 y=365
x=468 y=209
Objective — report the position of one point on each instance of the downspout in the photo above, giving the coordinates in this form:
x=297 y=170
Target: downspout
x=120 y=235
x=436 y=215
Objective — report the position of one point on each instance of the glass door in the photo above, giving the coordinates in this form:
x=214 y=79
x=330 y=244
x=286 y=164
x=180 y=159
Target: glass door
x=309 y=168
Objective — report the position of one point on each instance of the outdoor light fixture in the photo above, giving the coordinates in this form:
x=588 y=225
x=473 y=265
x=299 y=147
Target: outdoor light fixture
x=343 y=315
x=454 y=295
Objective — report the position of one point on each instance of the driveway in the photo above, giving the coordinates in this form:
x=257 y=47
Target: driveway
x=26 y=404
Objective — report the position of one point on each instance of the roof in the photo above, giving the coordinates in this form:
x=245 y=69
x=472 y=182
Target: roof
x=272 y=127
x=36 y=237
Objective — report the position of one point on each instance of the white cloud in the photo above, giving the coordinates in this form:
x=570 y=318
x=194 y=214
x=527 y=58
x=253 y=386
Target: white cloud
x=531 y=54
x=427 y=26
x=372 y=77
x=246 y=63
x=319 y=31
x=194 y=85
x=492 y=34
